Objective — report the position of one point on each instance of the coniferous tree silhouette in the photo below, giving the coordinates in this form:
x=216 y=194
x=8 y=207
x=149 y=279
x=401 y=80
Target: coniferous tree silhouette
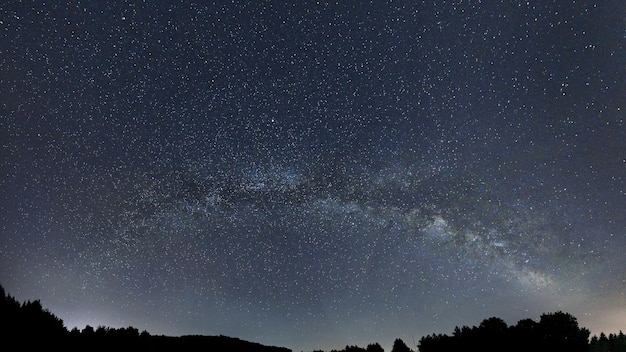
x=28 y=325
x=400 y=346
x=611 y=343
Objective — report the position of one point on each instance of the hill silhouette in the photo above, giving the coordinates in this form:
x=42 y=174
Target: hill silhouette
x=28 y=326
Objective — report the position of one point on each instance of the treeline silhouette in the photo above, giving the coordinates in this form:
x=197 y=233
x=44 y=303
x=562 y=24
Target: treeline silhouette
x=554 y=332
x=557 y=331
x=28 y=326
x=398 y=346
x=612 y=343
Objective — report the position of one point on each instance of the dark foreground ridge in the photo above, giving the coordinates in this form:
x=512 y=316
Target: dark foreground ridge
x=28 y=326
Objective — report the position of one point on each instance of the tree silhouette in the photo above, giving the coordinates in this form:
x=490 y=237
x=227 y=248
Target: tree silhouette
x=611 y=343
x=28 y=324
x=374 y=347
x=525 y=336
x=560 y=332
x=491 y=335
x=400 y=346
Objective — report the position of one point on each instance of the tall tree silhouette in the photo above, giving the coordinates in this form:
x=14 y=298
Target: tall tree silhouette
x=525 y=336
x=492 y=335
x=28 y=324
x=560 y=332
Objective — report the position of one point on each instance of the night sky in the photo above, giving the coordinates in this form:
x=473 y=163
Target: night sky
x=313 y=174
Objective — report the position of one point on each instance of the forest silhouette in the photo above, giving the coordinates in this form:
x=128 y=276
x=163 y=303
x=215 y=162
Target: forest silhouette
x=29 y=326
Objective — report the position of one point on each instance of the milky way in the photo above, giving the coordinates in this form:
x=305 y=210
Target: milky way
x=314 y=174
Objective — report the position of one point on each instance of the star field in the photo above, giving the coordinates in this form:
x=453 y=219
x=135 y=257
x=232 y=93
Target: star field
x=314 y=174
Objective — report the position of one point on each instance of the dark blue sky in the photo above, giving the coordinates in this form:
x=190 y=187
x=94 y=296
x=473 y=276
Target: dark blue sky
x=314 y=174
